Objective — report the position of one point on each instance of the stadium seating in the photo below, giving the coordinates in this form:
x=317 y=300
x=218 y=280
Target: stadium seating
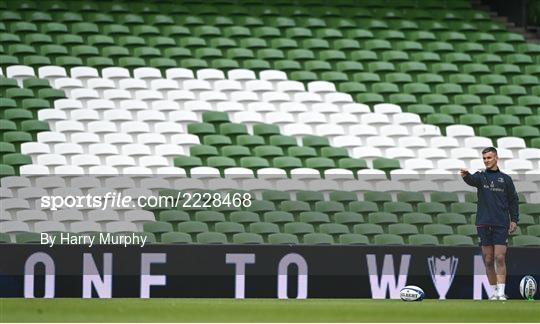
x=347 y=124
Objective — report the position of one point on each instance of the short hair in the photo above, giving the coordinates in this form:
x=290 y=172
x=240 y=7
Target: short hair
x=489 y=149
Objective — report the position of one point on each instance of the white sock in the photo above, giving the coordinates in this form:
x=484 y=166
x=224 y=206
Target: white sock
x=500 y=289
x=494 y=287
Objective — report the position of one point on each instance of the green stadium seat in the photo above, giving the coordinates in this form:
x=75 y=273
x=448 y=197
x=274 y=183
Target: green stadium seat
x=356 y=239
x=235 y=152
x=310 y=197
x=416 y=88
x=431 y=208
x=275 y=139
x=525 y=80
x=398 y=208
x=533 y=230
x=282 y=238
x=526 y=240
x=224 y=64
x=246 y=217
x=161 y=42
x=388 y=239
x=203 y=152
x=34 y=83
x=368 y=229
x=247 y=238
x=194 y=63
x=382 y=218
x=173 y=216
x=344 y=197
x=334 y=229
x=506 y=120
x=16 y=159
x=34 y=126
x=232 y=129
x=217 y=141
x=192 y=228
x=329 y=207
x=162 y=63
x=7 y=60
x=487 y=111
x=268 y=151
x=468 y=230
x=274 y=196
x=465 y=208
x=263 y=228
x=315 y=44
x=315 y=141
x=525 y=132
x=445 y=198
x=250 y=140
x=410 y=197
x=438 y=229
x=458 y=240
x=318 y=239
x=453 y=110
x=17 y=137
x=177 y=53
x=6 y=83
x=211 y=238
x=533 y=70
x=37 y=60
x=298 y=228
x=279 y=217
x=348 y=218
x=462 y=79
x=352 y=164
x=4 y=238
x=18 y=115
x=266 y=32
x=423 y=239
x=86 y=51
x=525 y=220
x=19 y=94
x=314 y=218
x=104 y=62
x=402 y=229
x=7 y=148
x=417 y=218
x=176 y=238
x=346 y=45
x=157 y=228
x=532 y=120
x=448 y=89
x=529 y=101
x=399 y=78
x=332 y=56
x=384 y=88
x=209 y=217
x=187 y=162
x=28 y=238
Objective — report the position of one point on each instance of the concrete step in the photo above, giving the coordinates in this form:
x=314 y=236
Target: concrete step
x=531 y=34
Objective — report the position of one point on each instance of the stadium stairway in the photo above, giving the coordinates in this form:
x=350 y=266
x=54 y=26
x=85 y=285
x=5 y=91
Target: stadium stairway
x=342 y=134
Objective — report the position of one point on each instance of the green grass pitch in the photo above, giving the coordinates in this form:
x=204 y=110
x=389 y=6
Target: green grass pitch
x=265 y=310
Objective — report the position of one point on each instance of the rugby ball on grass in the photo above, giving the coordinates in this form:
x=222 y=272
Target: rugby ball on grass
x=527 y=287
x=411 y=293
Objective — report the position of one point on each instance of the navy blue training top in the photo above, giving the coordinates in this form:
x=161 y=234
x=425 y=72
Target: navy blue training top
x=498 y=201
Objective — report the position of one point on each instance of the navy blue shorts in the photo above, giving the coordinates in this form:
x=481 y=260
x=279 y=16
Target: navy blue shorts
x=492 y=235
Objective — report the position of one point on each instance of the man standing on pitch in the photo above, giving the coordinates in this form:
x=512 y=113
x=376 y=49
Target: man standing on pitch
x=497 y=215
